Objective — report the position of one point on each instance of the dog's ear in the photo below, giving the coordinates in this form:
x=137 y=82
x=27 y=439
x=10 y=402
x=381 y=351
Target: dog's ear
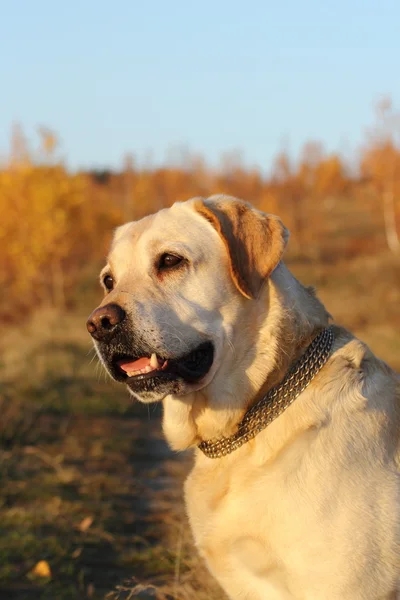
x=254 y=240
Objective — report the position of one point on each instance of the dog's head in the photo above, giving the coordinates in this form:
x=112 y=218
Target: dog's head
x=176 y=285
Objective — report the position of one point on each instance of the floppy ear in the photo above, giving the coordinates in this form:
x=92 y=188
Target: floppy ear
x=254 y=240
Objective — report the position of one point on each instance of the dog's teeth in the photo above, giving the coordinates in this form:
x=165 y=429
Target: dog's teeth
x=154 y=361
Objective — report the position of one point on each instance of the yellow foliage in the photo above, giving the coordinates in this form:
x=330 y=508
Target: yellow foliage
x=36 y=205
x=54 y=223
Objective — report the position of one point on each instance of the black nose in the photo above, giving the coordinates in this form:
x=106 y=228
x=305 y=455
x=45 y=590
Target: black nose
x=105 y=320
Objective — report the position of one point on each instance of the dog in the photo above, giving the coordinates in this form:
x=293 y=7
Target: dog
x=295 y=490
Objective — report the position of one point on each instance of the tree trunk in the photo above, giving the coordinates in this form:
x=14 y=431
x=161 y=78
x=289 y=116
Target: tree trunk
x=389 y=212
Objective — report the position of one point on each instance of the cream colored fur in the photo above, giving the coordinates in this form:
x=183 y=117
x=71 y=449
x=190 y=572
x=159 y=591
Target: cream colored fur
x=309 y=509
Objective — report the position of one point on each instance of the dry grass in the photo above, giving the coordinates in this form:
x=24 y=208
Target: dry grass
x=364 y=296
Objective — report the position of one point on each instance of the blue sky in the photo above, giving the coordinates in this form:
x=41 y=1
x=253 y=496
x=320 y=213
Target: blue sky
x=214 y=76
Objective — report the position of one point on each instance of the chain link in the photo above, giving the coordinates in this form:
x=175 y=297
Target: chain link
x=277 y=400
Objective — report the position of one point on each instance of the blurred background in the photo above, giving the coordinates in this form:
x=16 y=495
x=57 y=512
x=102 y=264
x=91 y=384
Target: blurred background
x=109 y=111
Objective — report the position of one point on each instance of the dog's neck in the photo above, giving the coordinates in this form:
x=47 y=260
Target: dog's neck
x=273 y=333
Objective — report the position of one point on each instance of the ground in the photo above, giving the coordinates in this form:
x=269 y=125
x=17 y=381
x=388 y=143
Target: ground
x=88 y=483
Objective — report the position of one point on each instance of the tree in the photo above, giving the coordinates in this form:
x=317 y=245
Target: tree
x=381 y=162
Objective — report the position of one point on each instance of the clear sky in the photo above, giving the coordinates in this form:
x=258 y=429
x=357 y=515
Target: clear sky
x=144 y=76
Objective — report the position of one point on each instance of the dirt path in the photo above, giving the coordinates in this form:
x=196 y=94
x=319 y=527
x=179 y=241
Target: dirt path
x=94 y=499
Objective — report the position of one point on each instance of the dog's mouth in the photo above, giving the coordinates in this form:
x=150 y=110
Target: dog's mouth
x=191 y=367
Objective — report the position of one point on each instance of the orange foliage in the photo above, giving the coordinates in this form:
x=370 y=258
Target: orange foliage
x=55 y=224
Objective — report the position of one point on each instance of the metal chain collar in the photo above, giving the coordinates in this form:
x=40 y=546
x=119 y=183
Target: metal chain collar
x=277 y=399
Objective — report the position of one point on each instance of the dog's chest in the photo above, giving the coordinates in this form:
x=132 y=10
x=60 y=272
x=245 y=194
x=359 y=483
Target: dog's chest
x=275 y=532
x=243 y=530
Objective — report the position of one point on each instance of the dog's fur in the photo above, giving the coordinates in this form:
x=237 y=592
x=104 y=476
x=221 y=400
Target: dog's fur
x=308 y=509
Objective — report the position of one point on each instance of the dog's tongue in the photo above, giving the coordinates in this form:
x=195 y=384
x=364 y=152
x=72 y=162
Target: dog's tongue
x=130 y=366
x=135 y=365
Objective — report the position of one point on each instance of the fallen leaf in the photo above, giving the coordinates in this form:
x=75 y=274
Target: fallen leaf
x=85 y=524
x=42 y=569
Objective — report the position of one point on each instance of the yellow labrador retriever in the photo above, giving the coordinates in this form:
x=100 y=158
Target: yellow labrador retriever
x=295 y=492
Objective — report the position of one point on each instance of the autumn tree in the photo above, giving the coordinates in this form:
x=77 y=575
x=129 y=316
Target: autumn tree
x=381 y=162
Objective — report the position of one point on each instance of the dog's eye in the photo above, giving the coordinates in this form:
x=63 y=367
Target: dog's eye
x=108 y=282
x=168 y=261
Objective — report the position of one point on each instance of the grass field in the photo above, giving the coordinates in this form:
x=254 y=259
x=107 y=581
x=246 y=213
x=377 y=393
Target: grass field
x=87 y=483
